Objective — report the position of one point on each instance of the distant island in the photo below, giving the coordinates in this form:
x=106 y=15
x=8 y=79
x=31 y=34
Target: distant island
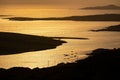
x=101 y=64
x=107 y=7
x=110 y=28
x=100 y=17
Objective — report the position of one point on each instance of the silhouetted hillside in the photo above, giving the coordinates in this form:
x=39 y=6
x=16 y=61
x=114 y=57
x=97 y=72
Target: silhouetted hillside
x=107 y=7
x=12 y=43
x=101 y=17
x=102 y=64
x=111 y=28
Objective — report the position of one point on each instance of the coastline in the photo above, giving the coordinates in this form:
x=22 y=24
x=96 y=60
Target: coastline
x=100 y=64
x=14 y=43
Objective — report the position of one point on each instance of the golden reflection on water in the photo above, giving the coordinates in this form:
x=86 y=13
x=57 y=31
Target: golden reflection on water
x=74 y=49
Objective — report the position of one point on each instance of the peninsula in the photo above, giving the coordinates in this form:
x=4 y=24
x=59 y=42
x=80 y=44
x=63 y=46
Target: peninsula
x=13 y=43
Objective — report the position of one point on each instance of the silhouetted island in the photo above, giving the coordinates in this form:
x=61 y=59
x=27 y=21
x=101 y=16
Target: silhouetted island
x=100 y=17
x=115 y=28
x=102 y=64
x=107 y=7
x=12 y=43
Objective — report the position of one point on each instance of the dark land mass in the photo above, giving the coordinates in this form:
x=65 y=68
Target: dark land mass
x=100 y=17
x=115 y=28
x=102 y=64
x=107 y=7
x=12 y=43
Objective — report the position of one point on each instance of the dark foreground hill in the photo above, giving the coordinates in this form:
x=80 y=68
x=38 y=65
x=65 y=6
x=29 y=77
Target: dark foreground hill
x=102 y=64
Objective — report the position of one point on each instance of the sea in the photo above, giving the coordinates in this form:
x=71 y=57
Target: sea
x=74 y=49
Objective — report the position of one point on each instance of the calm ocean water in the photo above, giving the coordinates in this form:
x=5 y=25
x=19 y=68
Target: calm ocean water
x=75 y=49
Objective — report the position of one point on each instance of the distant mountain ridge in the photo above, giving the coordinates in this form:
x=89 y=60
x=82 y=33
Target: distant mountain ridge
x=99 y=17
x=115 y=28
x=107 y=7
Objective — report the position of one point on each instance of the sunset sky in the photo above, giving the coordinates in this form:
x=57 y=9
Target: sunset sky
x=57 y=3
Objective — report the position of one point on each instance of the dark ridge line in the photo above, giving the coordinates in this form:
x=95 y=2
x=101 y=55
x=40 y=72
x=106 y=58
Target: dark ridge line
x=107 y=7
x=114 y=28
x=100 y=17
x=101 y=64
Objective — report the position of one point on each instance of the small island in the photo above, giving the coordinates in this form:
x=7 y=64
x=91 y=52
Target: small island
x=100 y=17
x=107 y=7
x=115 y=28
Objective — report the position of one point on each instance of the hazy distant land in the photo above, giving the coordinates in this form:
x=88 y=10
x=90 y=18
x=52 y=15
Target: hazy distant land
x=102 y=64
x=107 y=7
x=4 y=15
x=100 y=17
x=110 y=28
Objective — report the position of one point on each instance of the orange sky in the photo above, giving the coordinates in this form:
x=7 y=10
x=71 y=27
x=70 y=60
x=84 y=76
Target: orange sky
x=57 y=3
